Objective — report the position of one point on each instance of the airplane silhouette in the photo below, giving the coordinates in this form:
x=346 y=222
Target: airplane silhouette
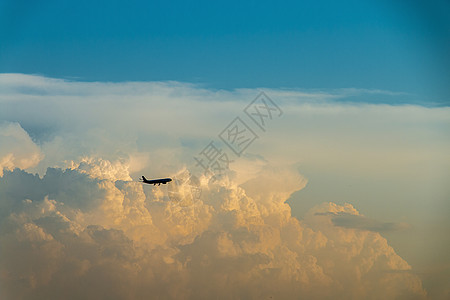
x=156 y=181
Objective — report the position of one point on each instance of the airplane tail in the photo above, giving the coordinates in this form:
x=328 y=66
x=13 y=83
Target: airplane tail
x=143 y=178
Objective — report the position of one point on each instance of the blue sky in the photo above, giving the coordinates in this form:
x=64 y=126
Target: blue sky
x=387 y=45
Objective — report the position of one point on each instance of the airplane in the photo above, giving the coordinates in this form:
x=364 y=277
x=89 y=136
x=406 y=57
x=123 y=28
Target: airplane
x=156 y=181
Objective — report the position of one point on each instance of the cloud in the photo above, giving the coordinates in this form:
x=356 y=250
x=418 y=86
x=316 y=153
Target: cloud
x=17 y=150
x=162 y=122
x=74 y=224
x=84 y=235
x=361 y=222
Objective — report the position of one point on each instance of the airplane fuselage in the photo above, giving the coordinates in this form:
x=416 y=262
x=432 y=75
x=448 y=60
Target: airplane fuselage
x=156 y=181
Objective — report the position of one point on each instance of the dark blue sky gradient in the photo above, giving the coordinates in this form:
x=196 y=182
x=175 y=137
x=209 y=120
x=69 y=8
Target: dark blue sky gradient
x=401 y=46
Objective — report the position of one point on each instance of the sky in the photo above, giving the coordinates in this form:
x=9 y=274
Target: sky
x=399 y=46
x=339 y=190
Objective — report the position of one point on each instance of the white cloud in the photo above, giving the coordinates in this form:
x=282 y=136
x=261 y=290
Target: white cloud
x=166 y=123
x=85 y=230
x=17 y=150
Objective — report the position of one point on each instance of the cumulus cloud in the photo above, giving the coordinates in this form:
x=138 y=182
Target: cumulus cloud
x=74 y=224
x=82 y=234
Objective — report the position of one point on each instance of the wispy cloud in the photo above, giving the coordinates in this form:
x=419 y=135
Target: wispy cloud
x=347 y=220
